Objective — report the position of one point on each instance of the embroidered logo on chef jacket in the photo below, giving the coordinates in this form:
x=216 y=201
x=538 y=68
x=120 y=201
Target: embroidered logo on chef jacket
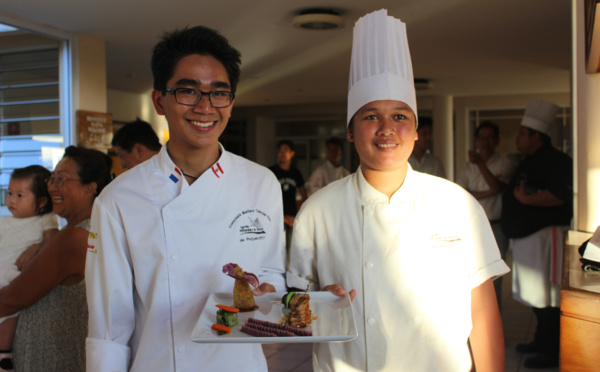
x=440 y=241
x=249 y=226
x=217 y=169
x=90 y=247
x=254 y=227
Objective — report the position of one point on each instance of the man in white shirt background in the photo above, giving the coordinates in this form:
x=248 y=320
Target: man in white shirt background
x=332 y=169
x=421 y=159
x=485 y=175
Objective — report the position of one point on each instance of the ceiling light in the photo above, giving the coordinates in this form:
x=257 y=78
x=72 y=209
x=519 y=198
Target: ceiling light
x=318 y=19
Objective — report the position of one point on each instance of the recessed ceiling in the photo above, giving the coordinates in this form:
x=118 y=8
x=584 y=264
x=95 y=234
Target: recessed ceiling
x=463 y=47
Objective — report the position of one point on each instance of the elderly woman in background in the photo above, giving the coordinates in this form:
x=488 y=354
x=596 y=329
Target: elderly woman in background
x=50 y=291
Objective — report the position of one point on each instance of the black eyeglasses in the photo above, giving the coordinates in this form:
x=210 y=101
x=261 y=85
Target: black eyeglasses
x=191 y=97
x=58 y=181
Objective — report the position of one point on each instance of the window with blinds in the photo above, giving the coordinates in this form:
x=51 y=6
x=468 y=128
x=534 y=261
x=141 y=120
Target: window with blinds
x=29 y=103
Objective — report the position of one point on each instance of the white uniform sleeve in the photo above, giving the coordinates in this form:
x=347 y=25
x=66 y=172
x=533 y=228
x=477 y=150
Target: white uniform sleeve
x=273 y=263
x=109 y=285
x=484 y=258
x=303 y=267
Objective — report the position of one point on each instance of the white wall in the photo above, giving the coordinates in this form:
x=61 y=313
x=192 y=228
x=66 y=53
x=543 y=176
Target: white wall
x=586 y=114
x=91 y=74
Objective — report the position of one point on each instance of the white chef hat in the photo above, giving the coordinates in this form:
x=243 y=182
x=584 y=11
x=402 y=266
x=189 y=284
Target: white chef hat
x=540 y=115
x=380 y=68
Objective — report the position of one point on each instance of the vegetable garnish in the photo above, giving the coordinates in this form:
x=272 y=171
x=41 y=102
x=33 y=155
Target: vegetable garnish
x=220 y=328
x=231 y=309
x=229 y=269
x=287 y=298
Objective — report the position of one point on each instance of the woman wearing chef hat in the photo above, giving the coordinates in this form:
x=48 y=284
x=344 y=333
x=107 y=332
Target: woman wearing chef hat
x=417 y=250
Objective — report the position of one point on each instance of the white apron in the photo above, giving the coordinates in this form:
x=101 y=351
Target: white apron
x=537 y=267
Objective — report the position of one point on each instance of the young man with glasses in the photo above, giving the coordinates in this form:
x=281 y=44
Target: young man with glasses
x=162 y=233
x=485 y=175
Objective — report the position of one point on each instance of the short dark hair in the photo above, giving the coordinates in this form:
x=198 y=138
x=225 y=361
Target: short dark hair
x=335 y=141
x=289 y=143
x=38 y=176
x=425 y=122
x=488 y=124
x=200 y=40
x=92 y=166
x=134 y=132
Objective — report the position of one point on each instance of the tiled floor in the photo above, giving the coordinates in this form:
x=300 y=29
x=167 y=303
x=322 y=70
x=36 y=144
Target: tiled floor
x=519 y=326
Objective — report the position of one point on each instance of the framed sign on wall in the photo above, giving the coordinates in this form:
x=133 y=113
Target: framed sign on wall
x=95 y=130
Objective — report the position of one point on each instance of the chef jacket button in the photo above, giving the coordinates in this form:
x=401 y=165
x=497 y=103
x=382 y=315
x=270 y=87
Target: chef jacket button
x=371 y=320
x=181 y=349
x=369 y=212
x=174 y=257
x=177 y=303
x=369 y=265
x=167 y=214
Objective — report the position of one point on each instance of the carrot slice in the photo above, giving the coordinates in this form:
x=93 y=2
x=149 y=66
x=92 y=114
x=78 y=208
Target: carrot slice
x=220 y=328
x=231 y=309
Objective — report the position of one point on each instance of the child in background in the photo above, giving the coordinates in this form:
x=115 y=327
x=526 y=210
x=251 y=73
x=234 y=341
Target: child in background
x=21 y=236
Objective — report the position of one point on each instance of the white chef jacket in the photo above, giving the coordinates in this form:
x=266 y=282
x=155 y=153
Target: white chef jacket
x=413 y=260
x=471 y=179
x=429 y=164
x=156 y=250
x=325 y=174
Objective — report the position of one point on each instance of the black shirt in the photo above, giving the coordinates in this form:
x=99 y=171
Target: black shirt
x=546 y=169
x=290 y=180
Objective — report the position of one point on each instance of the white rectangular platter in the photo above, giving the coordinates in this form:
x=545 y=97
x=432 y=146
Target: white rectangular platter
x=335 y=319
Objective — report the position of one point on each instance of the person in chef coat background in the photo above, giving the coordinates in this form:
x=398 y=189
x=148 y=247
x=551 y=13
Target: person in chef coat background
x=416 y=252
x=162 y=233
x=537 y=208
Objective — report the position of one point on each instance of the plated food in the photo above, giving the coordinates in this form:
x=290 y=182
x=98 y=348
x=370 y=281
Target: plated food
x=238 y=317
x=335 y=320
x=227 y=315
x=243 y=299
x=299 y=314
x=289 y=326
x=263 y=328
